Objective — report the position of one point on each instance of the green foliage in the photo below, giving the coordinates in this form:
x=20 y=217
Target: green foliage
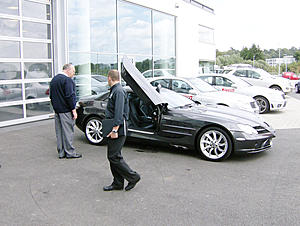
x=253 y=53
x=297 y=55
x=245 y=56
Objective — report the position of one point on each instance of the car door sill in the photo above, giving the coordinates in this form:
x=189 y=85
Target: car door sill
x=140 y=131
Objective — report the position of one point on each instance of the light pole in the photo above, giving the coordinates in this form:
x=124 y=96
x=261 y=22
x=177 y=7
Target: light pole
x=279 y=63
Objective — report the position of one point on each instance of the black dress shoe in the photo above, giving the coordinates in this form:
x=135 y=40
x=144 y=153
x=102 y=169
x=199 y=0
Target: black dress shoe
x=131 y=185
x=75 y=156
x=112 y=187
x=61 y=157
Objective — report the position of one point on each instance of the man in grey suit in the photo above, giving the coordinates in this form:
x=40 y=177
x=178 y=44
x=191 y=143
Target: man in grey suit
x=63 y=100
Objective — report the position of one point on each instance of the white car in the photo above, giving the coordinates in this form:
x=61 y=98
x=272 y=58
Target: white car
x=198 y=90
x=267 y=99
x=259 y=77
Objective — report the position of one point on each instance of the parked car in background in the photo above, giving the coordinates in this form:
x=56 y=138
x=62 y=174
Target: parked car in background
x=297 y=87
x=166 y=117
x=294 y=79
x=198 y=90
x=96 y=86
x=159 y=73
x=100 y=78
x=267 y=99
x=259 y=77
x=290 y=76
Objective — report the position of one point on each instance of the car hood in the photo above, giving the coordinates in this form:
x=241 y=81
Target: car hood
x=139 y=84
x=231 y=97
x=224 y=115
x=259 y=90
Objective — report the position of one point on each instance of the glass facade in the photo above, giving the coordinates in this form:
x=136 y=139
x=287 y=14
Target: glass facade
x=26 y=61
x=110 y=29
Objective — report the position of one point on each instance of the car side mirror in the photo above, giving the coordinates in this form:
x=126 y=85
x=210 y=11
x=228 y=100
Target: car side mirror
x=193 y=92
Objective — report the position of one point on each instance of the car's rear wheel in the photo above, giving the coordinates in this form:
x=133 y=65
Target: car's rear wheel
x=214 y=144
x=93 y=131
x=263 y=104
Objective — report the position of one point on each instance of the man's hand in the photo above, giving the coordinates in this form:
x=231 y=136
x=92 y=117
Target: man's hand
x=74 y=114
x=113 y=135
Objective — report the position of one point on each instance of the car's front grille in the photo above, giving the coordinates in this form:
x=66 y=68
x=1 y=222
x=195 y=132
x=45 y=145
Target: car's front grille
x=260 y=129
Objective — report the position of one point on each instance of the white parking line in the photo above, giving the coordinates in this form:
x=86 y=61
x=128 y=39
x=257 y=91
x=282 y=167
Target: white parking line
x=287 y=118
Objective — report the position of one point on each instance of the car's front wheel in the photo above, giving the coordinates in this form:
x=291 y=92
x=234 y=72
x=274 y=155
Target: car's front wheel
x=276 y=87
x=263 y=104
x=93 y=131
x=214 y=144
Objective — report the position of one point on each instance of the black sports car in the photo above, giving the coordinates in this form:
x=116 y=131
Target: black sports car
x=165 y=116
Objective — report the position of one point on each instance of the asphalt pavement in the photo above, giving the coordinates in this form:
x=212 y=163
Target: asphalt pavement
x=177 y=187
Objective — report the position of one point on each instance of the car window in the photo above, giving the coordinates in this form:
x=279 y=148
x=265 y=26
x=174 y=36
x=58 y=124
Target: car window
x=240 y=73
x=253 y=74
x=158 y=73
x=180 y=86
x=221 y=81
x=165 y=83
x=207 y=79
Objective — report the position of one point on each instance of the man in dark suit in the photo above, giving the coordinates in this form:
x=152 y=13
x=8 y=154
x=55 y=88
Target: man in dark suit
x=63 y=100
x=117 y=109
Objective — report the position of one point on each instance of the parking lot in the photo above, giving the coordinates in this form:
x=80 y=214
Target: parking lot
x=177 y=187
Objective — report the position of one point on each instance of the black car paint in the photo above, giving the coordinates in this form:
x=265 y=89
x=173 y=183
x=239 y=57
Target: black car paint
x=181 y=126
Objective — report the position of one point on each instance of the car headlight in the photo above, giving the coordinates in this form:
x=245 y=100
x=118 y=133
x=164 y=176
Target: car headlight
x=247 y=129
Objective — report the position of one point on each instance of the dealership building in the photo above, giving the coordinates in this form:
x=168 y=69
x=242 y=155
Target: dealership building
x=38 y=36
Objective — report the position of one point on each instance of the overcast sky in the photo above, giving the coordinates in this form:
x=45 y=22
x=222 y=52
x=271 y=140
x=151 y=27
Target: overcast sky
x=267 y=23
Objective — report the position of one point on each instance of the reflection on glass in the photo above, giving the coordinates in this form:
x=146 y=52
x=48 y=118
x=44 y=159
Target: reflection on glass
x=40 y=108
x=11 y=112
x=163 y=34
x=9 y=7
x=36 y=10
x=143 y=64
x=9 y=49
x=38 y=70
x=82 y=62
x=9 y=27
x=36 y=90
x=10 y=71
x=36 y=30
x=206 y=67
x=164 y=63
x=134 y=29
x=103 y=25
x=101 y=64
x=37 y=50
x=79 y=25
x=10 y=92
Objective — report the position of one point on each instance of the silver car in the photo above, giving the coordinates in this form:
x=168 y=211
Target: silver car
x=199 y=91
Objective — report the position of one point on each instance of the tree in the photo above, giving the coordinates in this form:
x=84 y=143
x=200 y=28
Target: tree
x=297 y=55
x=252 y=53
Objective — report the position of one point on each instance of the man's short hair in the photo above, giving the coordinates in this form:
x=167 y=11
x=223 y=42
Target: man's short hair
x=67 y=66
x=114 y=75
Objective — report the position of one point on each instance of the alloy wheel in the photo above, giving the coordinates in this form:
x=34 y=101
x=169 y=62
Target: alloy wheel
x=93 y=131
x=214 y=144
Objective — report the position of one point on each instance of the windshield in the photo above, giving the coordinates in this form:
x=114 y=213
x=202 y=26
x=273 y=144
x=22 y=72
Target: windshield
x=201 y=85
x=173 y=99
